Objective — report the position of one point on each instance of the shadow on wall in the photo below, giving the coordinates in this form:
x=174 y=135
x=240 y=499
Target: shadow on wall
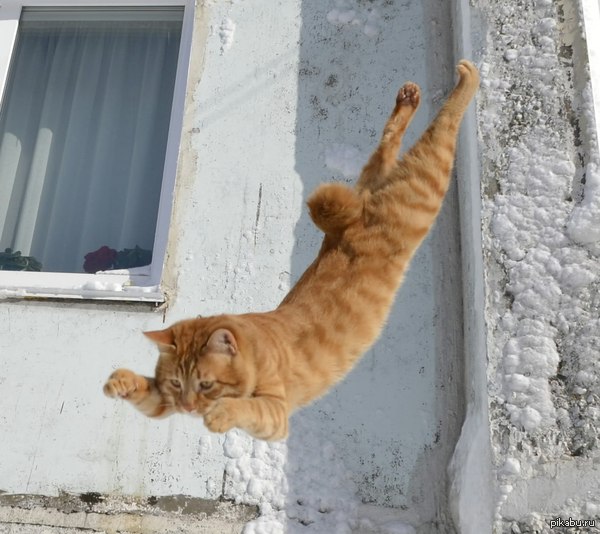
x=388 y=431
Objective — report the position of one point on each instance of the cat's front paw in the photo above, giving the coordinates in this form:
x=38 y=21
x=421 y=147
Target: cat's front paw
x=220 y=417
x=124 y=384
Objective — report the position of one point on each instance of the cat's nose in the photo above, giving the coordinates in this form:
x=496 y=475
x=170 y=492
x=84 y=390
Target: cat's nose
x=187 y=407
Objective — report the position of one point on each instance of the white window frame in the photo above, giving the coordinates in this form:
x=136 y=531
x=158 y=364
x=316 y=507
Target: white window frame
x=138 y=284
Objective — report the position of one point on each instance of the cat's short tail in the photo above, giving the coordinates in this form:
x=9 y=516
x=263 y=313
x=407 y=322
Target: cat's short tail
x=333 y=207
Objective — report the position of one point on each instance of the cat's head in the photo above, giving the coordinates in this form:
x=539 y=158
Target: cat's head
x=200 y=361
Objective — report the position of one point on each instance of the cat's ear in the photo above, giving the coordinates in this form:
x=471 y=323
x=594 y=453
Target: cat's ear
x=163 y=338
x=222 y=340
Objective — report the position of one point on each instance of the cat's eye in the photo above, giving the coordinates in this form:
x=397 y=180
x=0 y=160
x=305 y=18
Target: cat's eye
x=176 y=383
x=206 y=385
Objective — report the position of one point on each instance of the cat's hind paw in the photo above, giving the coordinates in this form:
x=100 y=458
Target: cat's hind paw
x=124 y=384
x=468 y=73
x=409 y=95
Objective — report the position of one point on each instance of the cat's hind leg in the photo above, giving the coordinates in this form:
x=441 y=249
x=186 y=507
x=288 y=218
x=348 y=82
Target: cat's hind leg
x=384 y=159
x=447 y=122
x=432 y=156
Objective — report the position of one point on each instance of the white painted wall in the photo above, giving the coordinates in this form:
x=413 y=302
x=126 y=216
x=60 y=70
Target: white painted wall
x=272 y=87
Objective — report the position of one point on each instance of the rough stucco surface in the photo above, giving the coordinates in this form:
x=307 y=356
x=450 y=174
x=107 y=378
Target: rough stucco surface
x=538 y=151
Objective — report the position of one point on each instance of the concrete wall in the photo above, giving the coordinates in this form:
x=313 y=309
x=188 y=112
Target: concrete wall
x=275 y=93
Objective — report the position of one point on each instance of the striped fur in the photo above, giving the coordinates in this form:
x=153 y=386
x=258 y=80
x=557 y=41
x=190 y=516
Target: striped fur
x=251 y=371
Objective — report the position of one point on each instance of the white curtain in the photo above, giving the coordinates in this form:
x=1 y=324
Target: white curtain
x=83 y=132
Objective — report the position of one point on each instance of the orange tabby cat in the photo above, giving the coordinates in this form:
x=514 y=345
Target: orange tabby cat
x=251 y=371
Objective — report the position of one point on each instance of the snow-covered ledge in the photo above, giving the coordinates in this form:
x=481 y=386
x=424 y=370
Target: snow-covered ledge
x=541 y=207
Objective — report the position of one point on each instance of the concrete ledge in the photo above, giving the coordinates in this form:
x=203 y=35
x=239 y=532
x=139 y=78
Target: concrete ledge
x=164 y=515
x=471 y=467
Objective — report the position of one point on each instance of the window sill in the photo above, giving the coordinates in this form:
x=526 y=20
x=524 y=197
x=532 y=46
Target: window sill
x=117 y=286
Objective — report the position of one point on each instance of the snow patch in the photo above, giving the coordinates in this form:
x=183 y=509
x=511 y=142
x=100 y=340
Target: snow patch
x=592 y=509
x=512 y=466
x=348 y=13
x=235 y=445
x=12 y=293
x=584 y=225
x=226 y=34
x=469 y=472
x=97 y=285
x=301 y=485
x=534 y=360
x=346 y=159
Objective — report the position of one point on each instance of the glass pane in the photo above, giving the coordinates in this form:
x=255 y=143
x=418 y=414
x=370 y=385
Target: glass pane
x=83 y=133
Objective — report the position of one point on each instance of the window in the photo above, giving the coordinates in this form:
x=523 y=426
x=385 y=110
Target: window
x=89 y=131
